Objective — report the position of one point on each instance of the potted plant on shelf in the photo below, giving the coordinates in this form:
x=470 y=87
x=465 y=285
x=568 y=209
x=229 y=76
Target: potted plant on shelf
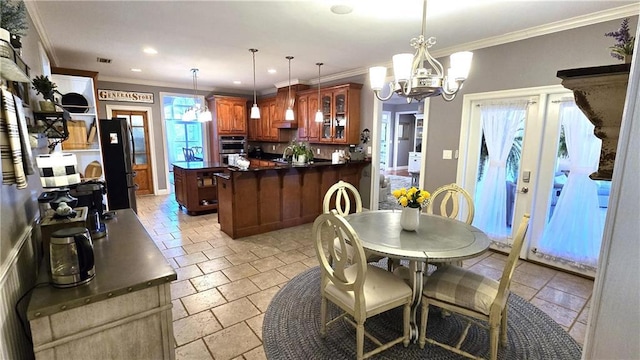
x=42 y=85
x=623 y=49
x=13 y=22
x=302 y=153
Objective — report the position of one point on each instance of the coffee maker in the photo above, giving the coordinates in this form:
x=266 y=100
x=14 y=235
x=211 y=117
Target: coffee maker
x=90 y=194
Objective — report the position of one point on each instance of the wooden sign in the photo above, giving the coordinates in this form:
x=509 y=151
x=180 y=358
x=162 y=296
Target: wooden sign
x=128 y=96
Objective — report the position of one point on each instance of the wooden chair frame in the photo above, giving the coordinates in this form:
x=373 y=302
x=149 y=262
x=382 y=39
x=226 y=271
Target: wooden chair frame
x=497 y=317
x=350 y=281
x=451 y=195
x=342 y=204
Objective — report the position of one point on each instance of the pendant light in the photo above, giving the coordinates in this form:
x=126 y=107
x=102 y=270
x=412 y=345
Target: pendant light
x=197 y=112
x=288 y=115
x=255 y=110
x=319 y=115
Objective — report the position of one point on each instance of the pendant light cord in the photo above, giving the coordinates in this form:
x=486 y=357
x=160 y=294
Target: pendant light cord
x=289 y=93
x=253 y=51
x=319 y=65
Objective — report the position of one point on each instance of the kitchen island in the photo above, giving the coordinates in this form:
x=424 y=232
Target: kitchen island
x=266 y=198
x=195 y=185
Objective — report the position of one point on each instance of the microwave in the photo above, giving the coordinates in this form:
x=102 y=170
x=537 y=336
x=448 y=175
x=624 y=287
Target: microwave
x=232 y=144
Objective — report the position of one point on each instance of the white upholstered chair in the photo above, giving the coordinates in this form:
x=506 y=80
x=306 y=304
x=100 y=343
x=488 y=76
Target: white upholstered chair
x=359 y=289
x=338 y=197
x=463 y=291
x=449 y=197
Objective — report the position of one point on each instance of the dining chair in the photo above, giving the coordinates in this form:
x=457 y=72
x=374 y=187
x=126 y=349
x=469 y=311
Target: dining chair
x=359 y=289
x=475 y=296
x=341 y=194
x=449 y=198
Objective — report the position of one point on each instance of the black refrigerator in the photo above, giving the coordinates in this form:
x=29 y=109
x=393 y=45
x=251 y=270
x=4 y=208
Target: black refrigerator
x=117 y=155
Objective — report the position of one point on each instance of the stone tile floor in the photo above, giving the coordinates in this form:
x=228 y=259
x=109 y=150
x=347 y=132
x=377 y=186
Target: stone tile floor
x=224 y=286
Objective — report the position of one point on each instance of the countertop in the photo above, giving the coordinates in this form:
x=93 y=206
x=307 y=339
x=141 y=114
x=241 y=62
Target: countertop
x=126 y=260
x=198 y=165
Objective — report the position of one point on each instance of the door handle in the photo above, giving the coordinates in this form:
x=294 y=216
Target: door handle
x=524 y=190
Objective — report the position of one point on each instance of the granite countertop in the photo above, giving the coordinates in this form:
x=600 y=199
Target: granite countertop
x=126 y=260
x=198 y=165
x=287 y=165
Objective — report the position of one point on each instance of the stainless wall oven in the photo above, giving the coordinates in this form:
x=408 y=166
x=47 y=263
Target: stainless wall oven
x=231 y=145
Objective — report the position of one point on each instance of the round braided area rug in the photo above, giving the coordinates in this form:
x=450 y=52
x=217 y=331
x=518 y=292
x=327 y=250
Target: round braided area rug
x=291 y=330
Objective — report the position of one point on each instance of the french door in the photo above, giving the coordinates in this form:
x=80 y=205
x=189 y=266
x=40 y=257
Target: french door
x=532 y=150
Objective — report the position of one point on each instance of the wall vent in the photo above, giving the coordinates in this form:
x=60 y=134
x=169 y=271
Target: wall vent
x=104 y=61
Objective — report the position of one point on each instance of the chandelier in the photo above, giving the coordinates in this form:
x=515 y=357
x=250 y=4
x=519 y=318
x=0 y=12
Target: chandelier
x=197 y=112
x=420 y=75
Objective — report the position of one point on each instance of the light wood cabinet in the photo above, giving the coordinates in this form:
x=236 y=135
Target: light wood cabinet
x=230 y=114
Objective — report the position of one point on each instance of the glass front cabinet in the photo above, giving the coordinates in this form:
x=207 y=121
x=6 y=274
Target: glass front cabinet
x=341 y=114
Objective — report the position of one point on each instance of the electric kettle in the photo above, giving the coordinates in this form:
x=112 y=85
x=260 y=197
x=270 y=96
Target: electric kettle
x=72 y=261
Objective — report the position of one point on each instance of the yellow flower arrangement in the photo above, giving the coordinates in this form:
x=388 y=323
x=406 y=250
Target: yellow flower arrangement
x=412 y=197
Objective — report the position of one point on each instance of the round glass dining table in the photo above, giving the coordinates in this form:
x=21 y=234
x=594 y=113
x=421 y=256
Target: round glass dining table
x=438 y=239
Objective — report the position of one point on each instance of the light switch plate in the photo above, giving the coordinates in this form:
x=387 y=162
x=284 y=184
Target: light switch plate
x=447 y=154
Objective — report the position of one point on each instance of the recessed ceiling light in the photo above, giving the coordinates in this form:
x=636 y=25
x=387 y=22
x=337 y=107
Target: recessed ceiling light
x=237 y=82
x=272 y=71
x=341 y=9
x=150 y=51
x=136 y=70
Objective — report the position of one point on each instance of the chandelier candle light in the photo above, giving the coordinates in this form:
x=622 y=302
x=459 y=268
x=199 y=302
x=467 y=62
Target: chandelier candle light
x=255 y=110
x=288 y=115
x=319 y=114
x=198 y=111
x=420 y=75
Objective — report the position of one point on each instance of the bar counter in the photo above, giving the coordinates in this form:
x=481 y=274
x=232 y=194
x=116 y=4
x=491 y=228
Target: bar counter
x=266 y=198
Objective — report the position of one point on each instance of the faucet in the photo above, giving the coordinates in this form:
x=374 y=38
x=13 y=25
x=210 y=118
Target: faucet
x=284 y=153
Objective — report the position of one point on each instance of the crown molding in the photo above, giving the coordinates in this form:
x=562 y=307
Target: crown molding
x=32 y=10
x=563 y=25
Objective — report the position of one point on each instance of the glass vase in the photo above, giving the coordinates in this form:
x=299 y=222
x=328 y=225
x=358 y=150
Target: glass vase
x=410 y=218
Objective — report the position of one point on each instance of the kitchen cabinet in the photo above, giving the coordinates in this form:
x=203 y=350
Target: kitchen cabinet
x=340 y=106
x=84 y=139
x=308 y=128
x=283 y=98
x=196 y=186
x=263 y=129
x=230 y=114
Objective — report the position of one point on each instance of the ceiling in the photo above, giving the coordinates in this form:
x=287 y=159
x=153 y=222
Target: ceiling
x=215 y=36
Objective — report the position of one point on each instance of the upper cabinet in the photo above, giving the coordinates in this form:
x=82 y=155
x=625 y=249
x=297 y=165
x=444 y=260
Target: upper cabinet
x=230 y=114
x=286 y=97
x=308 y=129
x=340 y=106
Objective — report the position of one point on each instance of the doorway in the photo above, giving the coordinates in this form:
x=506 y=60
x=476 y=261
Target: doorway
x=139 y=124
x=531 y=151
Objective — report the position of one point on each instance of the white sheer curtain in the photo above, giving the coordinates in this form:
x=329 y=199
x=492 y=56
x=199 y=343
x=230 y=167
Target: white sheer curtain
x=499 y=124
x=574 y=231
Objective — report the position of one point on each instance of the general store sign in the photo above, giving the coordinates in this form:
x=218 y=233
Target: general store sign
x=128 y=96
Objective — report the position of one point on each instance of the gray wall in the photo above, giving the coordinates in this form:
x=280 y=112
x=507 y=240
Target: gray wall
x=527 y=63
x=18 y=212
x=156 y=108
